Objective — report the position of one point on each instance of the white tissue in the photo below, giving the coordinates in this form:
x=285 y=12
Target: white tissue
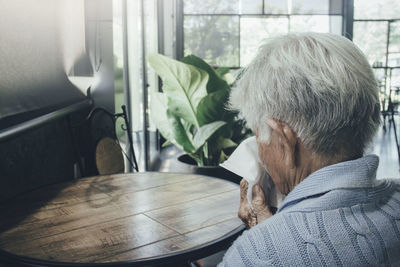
x=244 y=162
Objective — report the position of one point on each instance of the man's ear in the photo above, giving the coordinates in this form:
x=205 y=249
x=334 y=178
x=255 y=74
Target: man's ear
x=288 y=140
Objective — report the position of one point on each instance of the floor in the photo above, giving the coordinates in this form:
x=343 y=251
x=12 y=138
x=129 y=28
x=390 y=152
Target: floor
x=384 y=145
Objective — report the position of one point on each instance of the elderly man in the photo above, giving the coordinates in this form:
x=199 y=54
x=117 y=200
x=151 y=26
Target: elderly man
x=312 y=101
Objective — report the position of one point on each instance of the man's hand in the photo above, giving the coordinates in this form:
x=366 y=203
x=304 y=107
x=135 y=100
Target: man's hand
x=259 y=212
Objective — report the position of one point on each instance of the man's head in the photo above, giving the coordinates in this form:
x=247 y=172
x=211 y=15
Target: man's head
x=319 y=84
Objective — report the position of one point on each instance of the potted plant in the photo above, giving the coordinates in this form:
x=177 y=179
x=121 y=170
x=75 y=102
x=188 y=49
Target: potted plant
x=191 y=111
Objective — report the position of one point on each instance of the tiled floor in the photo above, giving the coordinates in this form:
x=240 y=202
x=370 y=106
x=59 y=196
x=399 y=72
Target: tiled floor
x=384 y=146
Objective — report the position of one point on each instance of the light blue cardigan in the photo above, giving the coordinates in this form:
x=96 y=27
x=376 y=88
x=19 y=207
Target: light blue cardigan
x=340 y=215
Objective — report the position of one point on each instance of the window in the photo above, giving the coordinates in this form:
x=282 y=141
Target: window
x=141 y=29
x=228 y=33
x=213 y=38
x=270 y=26
x=371 y=38
x=376 y=9
x=377 y=33
x=119 y=99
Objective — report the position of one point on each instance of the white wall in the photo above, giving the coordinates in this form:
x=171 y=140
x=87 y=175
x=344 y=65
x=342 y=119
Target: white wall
x=99 y=45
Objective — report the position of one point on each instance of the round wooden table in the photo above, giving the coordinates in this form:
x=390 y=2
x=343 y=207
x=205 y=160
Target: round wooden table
x=136 y=219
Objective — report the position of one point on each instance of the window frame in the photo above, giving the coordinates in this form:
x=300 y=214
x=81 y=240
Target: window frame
x=347 y=14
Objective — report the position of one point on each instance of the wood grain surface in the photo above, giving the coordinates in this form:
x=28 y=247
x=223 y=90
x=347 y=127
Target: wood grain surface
x=118 y=218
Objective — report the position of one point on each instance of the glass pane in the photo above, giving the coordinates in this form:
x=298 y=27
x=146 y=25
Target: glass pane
x=317 y=7
x=395 y=83
x=376 y=9
x=276 y=7
x=394 y=39
x=310 y=7
x=150 y=15
x=135 y=79
x=211 y=7
x=119 y=99
x=335 y=7
x=380 y=76
x=254 y=30
x=395 y=77
x=251 y=6
x=394 y=59
x=317 y=23
x=150 y=10
x=371 y=38
x=213 y=38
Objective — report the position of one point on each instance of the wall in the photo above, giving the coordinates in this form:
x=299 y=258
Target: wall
x=40 y=43
x=49 y=154
x=99 y=45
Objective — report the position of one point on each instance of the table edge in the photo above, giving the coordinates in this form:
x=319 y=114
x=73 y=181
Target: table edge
x=194 y=253
x=191 y=254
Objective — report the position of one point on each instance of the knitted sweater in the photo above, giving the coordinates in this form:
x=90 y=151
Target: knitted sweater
x=340 y=215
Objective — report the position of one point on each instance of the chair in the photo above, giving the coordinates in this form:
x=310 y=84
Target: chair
x=109 y=158
x=106 y=155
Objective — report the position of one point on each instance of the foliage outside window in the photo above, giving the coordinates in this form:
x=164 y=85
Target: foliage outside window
x=228 y=33
x=377 y=33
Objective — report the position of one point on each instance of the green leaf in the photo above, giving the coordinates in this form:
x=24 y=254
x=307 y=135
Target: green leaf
x=169 y=125
x=212 y=107
x=181 y=137
x=222 y=71
x=222 y=157
x=226 y=143
x=191 y=112
x=166 y=143
x=185 y=86
x=198 y=158
x=206 y=155
x=158 y=114
x=205 y=132
x=189 y=128
x=215 y=82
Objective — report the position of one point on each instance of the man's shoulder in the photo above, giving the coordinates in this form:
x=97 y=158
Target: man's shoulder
x=395 y=181
x=265 y=244
x=287 y=236
x=260 y=246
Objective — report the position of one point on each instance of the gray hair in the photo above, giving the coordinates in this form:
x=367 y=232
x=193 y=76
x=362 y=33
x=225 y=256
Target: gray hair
x=320 y=84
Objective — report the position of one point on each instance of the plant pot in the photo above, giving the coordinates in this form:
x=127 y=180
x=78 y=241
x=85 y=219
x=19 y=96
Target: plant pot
x=186 y=164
